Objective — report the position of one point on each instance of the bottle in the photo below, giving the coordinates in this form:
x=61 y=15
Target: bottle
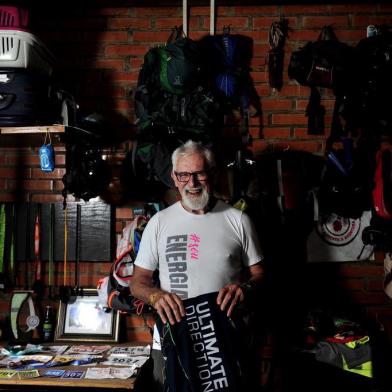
x=48 y=326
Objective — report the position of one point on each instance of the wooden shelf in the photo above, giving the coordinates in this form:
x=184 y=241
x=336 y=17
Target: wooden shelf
x=32 y=129
x=29 y=135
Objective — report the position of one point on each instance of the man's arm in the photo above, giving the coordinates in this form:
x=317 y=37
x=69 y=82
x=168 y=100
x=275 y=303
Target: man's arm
x=230 y=295
x=168 y=305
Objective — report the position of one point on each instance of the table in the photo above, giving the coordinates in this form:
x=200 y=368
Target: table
x=47 y=383
x=43 y=384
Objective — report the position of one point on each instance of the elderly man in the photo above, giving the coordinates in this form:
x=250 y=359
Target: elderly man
x=199 y=245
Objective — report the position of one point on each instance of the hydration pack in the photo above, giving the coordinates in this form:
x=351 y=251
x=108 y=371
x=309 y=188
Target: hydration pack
x=113 y=290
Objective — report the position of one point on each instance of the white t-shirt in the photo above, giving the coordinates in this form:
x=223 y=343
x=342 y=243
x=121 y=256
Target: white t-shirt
x=198 y=254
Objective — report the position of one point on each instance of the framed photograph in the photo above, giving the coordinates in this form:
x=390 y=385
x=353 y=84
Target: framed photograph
x=85 y=320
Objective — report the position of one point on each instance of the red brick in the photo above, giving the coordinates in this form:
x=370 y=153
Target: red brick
x=368 y=298
x=352 y=284
x=277 y=104
x=14 y=197
x=49 y=198
x=358 y=9
x=270 y=10
x=144 y=12
x=107 y=36
x=309 y=146
x=15 y=171
x=319 y=21
x=301 y=133
x=30 y=185
x=234 y=23
x=375 y=284
x=110 y=64
x=129 y=23
x=149 y=36
x=288 y=119
x=359 y=270
x=280 y=133
x=305 y=9
x=127 y=50
x=364 y=20
x=28 y=160
x=38 y=173
x=169 y=23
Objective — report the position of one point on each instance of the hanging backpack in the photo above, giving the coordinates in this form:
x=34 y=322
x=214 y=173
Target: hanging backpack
x=326 y=63
x=171 y=95
x=87 y=173
x=173 y=103
x=346 y=182
x=113 y=290
x=374 y=82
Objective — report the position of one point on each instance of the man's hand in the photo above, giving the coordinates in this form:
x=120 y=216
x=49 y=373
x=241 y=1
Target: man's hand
x=169 y=307
x=229 y=296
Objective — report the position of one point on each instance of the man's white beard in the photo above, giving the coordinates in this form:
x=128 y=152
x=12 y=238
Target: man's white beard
x=195 y=202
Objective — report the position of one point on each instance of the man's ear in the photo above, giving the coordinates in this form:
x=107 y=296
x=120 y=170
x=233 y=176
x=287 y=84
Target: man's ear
x=173 y=176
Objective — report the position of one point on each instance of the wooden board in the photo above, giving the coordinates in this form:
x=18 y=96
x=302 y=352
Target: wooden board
x=96 y=232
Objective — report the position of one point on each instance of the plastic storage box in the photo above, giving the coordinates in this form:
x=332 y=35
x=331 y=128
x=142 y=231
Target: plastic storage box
x=14 y=17
x=20 y=49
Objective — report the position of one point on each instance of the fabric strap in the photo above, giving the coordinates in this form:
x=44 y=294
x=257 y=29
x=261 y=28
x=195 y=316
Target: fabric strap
x=2 y=236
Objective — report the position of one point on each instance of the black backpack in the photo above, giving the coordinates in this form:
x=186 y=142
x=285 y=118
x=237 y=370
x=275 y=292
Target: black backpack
x=173 y=104
x=372 y=96
x=87 y=174
x=171 y=94
x=346 y=184
x=326 y=63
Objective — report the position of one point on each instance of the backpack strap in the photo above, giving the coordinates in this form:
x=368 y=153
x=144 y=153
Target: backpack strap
x=315 y=113
x=176 y=33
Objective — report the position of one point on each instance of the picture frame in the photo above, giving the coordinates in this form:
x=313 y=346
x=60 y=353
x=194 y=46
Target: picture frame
x=83 y=320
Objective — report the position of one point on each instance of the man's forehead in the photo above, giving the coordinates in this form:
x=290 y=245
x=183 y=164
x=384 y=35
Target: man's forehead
x=192 y=160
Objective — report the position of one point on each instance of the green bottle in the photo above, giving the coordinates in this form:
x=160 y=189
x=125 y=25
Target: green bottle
x=48 y=326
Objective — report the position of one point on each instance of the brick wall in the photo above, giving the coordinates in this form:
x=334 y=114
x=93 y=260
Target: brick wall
x=99 y=51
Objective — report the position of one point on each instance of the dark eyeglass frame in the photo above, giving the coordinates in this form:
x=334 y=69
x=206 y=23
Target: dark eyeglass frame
x=203 y=173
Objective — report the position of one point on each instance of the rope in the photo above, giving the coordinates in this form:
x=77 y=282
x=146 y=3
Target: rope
x=212 y=17
x=278 y=33
x=185 y=17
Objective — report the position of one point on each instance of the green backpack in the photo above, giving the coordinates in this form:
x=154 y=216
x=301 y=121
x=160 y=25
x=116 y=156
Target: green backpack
x=173 y=103
x=172 y=95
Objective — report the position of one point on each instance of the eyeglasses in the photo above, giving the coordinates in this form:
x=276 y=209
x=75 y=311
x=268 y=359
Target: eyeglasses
x=198 y=175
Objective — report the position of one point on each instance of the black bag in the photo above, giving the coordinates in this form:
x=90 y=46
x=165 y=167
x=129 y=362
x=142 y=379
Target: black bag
x=172 y=104
x=171 y=96
x=87 y=174
x=374 y=82
x=323 y=63
x=326 y=62
x=346 y=184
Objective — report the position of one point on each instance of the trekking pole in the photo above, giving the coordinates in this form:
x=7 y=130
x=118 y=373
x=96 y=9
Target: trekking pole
x=38 y=284
x=51 y=250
